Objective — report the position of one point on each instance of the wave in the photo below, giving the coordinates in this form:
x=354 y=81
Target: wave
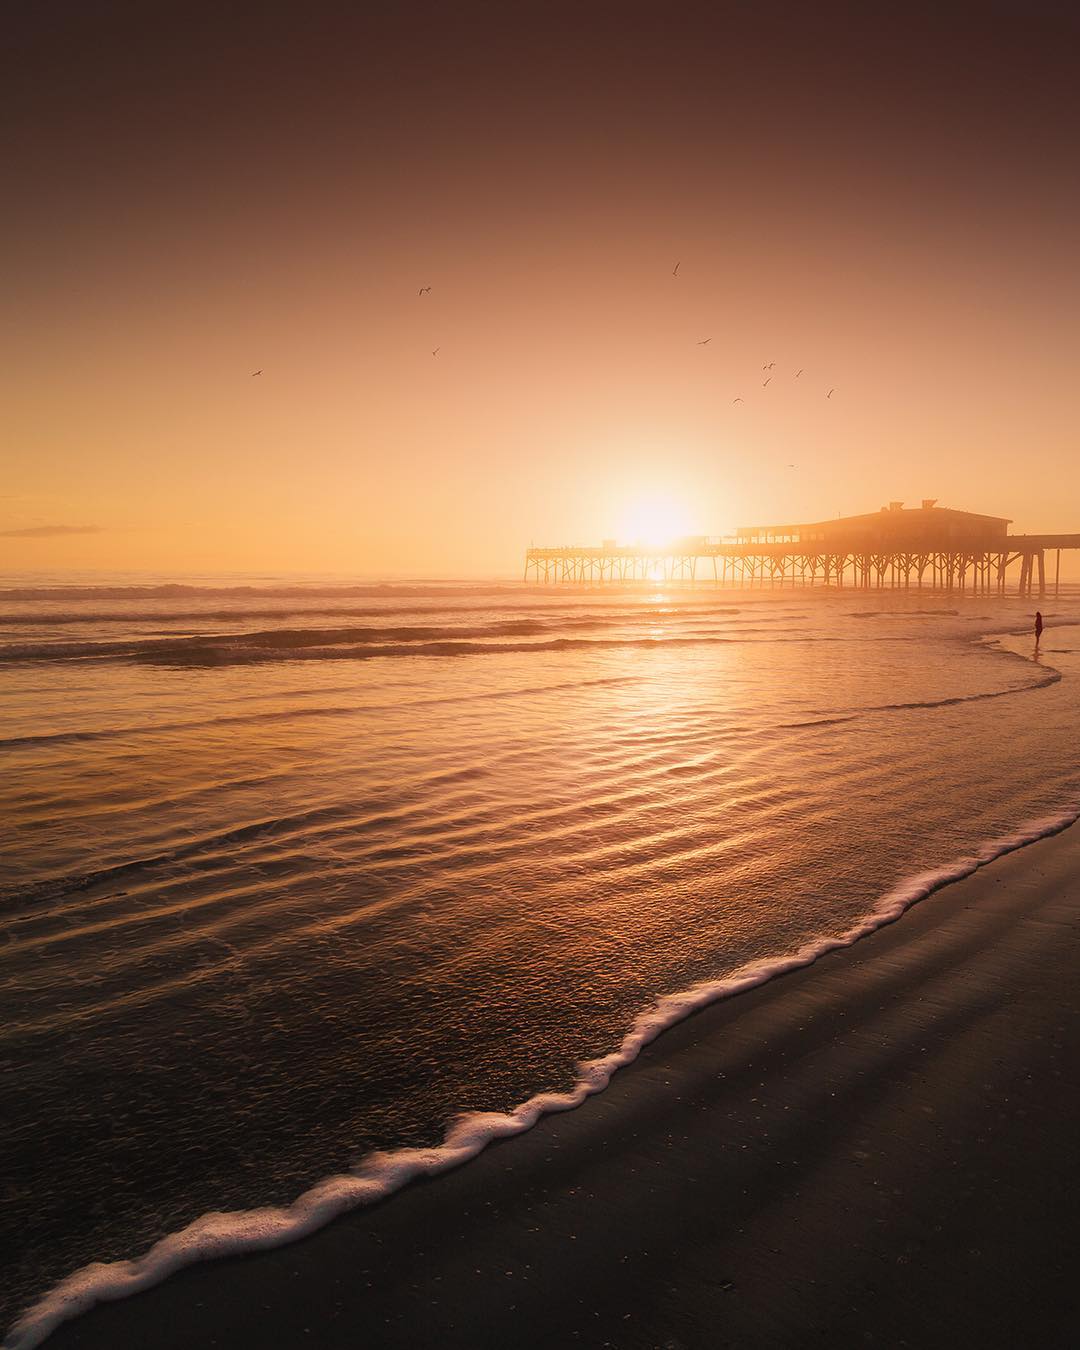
x=65 y=618
x=818 y=722
x=213 y=844
x=849 y=715
x=175 y=590
x=290 y=714
x=382 y=1174
x=288 y=640
x=283 y=639
x=899 y=613
x=323 y=590
x=55 y=888
x=1051 y=677
x=228 y=651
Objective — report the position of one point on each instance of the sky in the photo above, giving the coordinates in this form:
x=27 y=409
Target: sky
x=883 y=196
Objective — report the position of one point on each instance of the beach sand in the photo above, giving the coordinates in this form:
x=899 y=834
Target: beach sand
x=879 y=1149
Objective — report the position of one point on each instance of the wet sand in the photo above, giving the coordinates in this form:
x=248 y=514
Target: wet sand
x=876 y=1150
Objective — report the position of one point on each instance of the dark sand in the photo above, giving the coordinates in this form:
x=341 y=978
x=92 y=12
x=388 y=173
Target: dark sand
x=880 y=1149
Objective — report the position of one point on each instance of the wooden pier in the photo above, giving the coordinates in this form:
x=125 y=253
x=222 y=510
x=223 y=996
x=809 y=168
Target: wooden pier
x=928 y=547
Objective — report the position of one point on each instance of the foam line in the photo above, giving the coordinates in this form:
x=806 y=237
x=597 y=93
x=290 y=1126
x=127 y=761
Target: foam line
x=382 y=1174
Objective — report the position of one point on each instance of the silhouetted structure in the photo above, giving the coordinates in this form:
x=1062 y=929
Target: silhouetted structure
x=928 y=546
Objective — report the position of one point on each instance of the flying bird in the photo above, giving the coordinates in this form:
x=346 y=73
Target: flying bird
x=769 y=366
x=766 y=382
x=255 y=372
x=436 y=351
x=675 y=269
x=793 y=466
x=738 y=400
x=424 y=290
x=704 y=341
x=830 y=393
x=798 y=373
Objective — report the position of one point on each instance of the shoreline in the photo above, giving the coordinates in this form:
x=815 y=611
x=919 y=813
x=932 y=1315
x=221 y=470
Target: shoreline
x=224 y=1302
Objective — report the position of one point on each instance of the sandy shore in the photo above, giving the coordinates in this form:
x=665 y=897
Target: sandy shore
x=876 y=1150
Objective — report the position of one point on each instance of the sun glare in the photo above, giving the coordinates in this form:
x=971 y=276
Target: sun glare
x=655 y=521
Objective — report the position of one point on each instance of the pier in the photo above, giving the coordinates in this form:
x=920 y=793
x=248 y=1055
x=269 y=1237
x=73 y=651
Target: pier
x=929 y=546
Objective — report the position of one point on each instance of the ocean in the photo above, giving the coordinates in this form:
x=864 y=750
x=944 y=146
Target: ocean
x=299 y=874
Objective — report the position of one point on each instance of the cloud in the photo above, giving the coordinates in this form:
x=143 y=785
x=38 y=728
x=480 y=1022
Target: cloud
x=49 y=531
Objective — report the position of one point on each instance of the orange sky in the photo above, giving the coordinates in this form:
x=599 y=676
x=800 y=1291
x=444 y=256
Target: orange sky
x=891 y=209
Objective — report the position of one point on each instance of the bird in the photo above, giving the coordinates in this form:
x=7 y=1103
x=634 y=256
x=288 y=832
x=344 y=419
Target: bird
x=255 y=372
x=830 y=393
x=675 y=269
x=793 y=466
x=798 y=373
x=738 y=400
x=436 y=351
x=769 y=366
x=766 y=382
x=424 y=290
x=704 y=341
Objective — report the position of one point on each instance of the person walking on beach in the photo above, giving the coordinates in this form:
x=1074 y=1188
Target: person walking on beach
x=1038 y=627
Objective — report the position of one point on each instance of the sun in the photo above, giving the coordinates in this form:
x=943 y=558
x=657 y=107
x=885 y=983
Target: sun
x=655 y=521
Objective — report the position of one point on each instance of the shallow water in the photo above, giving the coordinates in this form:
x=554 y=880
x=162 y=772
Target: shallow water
x=296 y=870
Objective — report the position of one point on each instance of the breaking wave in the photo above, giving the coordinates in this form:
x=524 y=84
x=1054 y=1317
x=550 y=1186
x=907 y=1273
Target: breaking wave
x=359 y=645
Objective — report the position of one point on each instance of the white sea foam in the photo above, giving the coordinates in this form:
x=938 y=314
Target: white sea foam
x=381 y=1174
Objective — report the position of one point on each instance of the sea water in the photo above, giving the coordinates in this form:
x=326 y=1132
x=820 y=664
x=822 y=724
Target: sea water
x=297 y=874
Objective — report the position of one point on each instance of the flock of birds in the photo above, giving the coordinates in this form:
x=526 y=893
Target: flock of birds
x=764 y=384
x=702 y=342
x=767 y=368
